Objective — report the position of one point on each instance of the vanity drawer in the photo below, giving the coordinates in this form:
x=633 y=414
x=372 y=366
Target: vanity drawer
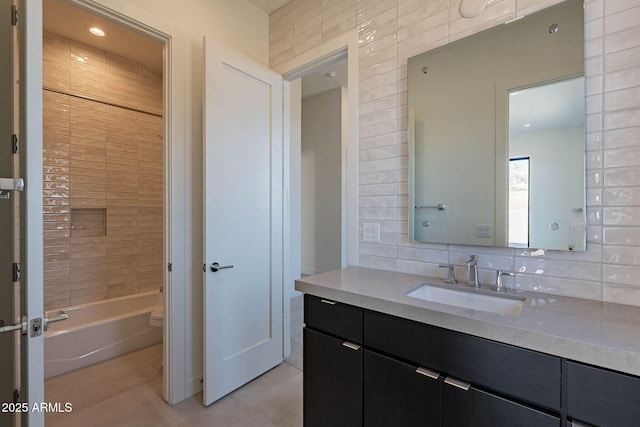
x=600 y=397
x=524 y=374
x=335 y=318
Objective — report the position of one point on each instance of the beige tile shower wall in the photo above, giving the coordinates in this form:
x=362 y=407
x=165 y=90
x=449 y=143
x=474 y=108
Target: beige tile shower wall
x=390 y=31
x=103 y=157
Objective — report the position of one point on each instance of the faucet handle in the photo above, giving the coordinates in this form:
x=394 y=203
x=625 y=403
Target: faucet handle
x=451 y=274
x=499 y=286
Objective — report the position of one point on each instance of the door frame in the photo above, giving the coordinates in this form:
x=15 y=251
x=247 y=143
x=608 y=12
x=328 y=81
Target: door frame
x=291 y=70
x=31 y=223
x=175 y=382
x=337 y=48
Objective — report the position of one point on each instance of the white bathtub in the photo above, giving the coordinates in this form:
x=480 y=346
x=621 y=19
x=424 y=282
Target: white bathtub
x=99 y=331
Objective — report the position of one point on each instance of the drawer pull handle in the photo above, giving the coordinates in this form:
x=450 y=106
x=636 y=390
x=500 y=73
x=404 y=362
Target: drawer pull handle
x=457 y=383
x=575 y=423
x=351 y=345
x=326 y=301
x=428 y=373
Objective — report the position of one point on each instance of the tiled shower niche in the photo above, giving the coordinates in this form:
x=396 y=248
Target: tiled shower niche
x=88 y=222
x=103 y=167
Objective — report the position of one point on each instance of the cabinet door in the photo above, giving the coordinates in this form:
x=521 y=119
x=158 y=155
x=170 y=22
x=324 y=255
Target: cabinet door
x=477 y=408
x=397 y=394
x=332 y=381
x=601 y=397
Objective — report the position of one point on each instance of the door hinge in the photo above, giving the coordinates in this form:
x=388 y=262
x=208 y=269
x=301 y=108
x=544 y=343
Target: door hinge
x=17 y=272
x=15 y=144
x=14 y=15
x=169 y=267
x=16 y=395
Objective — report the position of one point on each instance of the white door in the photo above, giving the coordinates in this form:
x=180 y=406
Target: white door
x=24 y=310
x=243 y=196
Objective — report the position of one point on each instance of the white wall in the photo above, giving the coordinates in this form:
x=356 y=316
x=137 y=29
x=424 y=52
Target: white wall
x=238 y=23
x=321 y=191
x=391 y=31
x=242 y=26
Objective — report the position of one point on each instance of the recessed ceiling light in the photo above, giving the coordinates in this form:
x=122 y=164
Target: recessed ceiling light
x=97 y=31
x=528 y=125
x=330 y=74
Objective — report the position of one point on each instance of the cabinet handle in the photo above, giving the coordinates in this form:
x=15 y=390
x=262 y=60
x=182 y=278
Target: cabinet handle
x=428 y=373
x=575 y=423
x=351 y=345
x=457 y=383
x=326 y=301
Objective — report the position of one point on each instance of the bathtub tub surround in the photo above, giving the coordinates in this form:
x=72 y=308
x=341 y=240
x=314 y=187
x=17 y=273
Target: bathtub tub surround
x=470 y=359
x=156 y=318
x=103 y=175
x=99 y=331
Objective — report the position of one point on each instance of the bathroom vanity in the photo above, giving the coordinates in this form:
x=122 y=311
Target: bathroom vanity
x=375 y=356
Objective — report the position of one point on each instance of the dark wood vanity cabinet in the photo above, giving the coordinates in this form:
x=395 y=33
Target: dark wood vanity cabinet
x=474 y=407
x=332 y=379
x=603 y=398
x=522 y=374
x=367 y=368
x=482 y=382
x=333 y=357
x=400 y=394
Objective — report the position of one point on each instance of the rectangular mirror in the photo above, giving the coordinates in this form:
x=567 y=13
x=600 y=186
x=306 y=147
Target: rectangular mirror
x=496 y=136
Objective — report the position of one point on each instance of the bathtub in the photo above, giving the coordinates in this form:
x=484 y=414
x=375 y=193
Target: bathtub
x=99 y=331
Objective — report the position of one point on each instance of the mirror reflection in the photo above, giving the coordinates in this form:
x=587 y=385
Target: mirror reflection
x=496 y=136
x=546 y=203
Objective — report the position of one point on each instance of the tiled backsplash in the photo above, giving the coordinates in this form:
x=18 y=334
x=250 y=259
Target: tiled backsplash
x=391 y=31
x=108 y=159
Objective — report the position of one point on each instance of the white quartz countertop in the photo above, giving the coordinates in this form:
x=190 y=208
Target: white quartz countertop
x=594 y=332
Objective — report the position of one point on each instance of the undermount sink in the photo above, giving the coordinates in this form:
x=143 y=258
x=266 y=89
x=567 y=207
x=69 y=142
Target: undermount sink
x=469 y=298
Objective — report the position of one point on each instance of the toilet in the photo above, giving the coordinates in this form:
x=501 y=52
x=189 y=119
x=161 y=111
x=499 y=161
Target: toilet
x=156 y=318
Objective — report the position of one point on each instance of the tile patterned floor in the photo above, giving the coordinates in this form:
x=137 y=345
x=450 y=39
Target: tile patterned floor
x=127 y=391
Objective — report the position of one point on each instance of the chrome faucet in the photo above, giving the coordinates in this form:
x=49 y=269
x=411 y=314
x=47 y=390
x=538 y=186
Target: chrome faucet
x=472 y=271
x=499 y=286
x=451 y=274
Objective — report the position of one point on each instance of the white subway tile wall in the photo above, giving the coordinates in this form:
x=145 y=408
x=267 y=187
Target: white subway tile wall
x=391 y=31
x=100 y=156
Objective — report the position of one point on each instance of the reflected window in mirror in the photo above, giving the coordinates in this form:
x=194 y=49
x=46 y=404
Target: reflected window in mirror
x=519 y=202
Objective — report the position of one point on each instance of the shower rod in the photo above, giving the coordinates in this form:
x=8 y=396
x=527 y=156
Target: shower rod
x=86 y=98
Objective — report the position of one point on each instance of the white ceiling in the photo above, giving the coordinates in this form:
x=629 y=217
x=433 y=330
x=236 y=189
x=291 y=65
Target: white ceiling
x=269 y=6
x=318 y=81
x=71 y=22
x=547 y=106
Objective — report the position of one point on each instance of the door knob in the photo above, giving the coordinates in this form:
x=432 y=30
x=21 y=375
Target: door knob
x=216 y=266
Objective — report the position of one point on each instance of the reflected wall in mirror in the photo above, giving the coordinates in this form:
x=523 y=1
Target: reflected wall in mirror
x=477 y=174
x=546 y=192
